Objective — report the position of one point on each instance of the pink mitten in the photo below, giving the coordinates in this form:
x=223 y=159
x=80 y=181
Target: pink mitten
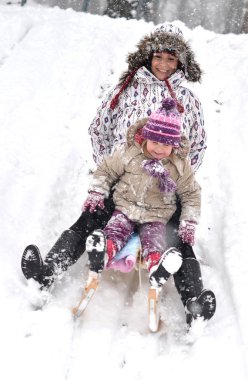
x=186 y=231
x=94 y=200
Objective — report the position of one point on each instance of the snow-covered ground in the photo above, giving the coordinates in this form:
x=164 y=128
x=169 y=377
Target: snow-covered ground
x=54 y=68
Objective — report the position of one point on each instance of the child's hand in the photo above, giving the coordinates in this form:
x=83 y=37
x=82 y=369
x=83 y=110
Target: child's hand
x=94 y=200
x=186 y=231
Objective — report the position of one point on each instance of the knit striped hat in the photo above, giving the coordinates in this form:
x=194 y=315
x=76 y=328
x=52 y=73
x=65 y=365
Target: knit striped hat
x=164 y=125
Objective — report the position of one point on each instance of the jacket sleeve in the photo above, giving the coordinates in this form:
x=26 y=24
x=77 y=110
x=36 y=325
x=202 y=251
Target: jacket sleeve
x=102 y=129
x=197 y=132
x=189 y=192
x=108 y=172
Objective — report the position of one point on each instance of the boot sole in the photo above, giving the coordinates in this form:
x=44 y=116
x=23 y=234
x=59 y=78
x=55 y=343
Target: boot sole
x=204 y=306
x=31 y=262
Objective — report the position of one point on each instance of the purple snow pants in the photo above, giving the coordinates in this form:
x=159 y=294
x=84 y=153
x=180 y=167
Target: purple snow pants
x=152 y=234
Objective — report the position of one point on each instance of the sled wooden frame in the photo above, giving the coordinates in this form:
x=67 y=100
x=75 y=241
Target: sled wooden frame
x=88 y=292
x=153 y=294
x=93 y=283
x=140 y=262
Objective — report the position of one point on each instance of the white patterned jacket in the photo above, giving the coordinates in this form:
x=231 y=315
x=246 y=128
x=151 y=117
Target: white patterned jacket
x=143 y=96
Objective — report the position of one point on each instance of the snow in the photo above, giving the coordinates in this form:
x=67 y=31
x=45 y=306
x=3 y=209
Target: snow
x=54 y=67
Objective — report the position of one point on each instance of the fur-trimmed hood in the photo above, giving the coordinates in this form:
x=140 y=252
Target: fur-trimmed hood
x=159 y=41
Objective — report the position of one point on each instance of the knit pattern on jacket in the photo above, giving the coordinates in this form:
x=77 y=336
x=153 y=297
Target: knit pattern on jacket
x=137 y=193
x=143 y=96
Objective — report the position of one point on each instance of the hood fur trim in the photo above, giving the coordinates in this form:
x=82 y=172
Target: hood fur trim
x=159 y=42
x=133 y=130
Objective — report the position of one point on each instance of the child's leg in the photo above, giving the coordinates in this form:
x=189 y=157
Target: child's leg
x=160 y=263
x=119 y=229
x=152 y=237
x=102 y=245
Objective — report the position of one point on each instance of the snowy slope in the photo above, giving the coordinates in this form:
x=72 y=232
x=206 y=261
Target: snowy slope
x=54 y=67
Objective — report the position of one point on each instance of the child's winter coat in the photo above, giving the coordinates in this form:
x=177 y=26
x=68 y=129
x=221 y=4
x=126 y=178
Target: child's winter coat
x=137 y=192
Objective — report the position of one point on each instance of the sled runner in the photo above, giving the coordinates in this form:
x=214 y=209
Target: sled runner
x=153 y=312
x=131 y=248
x=89 y=291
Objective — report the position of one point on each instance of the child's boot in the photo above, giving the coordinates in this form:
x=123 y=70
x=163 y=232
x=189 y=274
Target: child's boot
x=160 y=267
x=100 y=250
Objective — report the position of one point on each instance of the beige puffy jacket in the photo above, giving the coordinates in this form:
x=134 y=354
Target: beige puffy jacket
x=137 y=193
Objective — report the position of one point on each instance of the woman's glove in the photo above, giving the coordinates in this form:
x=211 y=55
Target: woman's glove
x=186 y=231
x=94 y=200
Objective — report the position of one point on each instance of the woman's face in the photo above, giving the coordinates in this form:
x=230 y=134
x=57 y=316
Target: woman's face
x=163 y=65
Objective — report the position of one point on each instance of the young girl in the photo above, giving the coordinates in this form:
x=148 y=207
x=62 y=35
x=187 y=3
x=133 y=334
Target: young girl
x=147 y=173
x=156 y=70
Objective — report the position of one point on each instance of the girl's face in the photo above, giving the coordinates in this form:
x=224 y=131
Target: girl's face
x=158 y=150
x=163 y=65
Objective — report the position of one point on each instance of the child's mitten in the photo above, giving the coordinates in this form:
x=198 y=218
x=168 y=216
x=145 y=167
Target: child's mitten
x=94 y=200
x=186 y=231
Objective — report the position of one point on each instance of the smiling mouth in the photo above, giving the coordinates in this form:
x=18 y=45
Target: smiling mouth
x=158 y=154
x=163 y=73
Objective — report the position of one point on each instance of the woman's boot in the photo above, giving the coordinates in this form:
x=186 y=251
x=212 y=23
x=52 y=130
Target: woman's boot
x=65 y=252
x=197 y=301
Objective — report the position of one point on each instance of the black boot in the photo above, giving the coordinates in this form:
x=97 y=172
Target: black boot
x=65 y=252
x=97 y=251
x=197 y=302
x=32 y=263
x=169 y=263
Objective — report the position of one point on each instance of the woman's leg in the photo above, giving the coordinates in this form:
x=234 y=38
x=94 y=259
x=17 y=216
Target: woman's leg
x=188 y=279
x=88 y=222
x=67 y=249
